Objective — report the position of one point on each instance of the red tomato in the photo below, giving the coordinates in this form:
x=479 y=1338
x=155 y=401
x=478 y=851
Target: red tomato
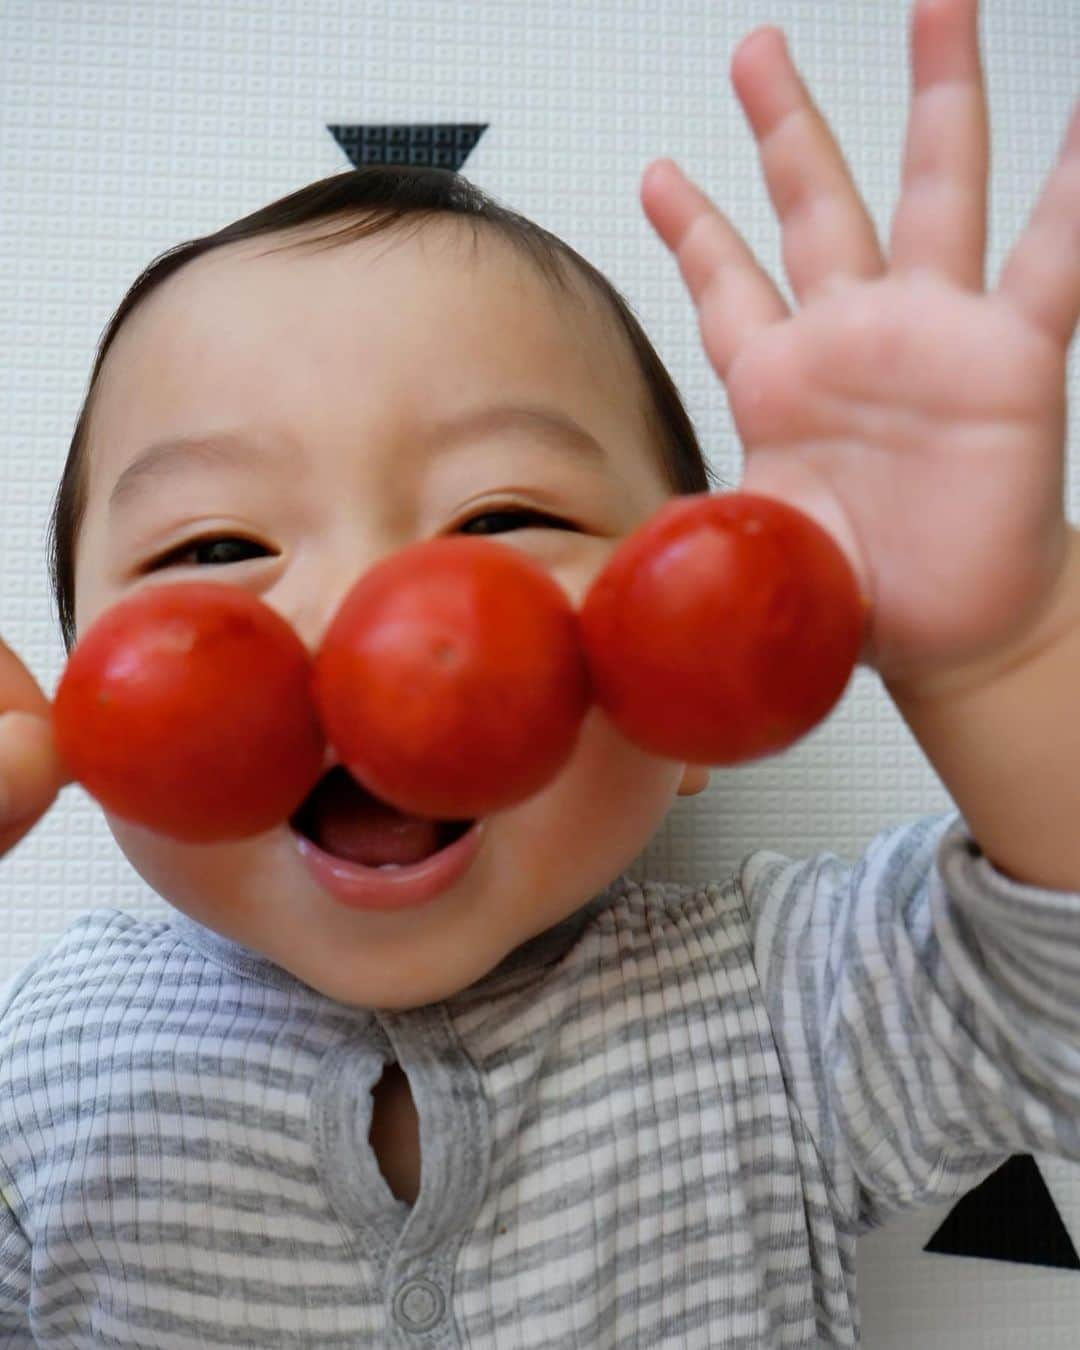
x=187 y=709
x=451 y=681
x=722 y=629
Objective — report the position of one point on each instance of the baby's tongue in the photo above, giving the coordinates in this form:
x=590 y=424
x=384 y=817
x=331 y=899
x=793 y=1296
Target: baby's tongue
x=349 y=822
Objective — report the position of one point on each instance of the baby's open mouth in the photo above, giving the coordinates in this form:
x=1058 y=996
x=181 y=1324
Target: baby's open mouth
x=348 y=821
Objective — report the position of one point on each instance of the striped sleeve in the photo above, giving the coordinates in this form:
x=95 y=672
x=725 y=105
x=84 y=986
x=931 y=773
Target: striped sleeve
x=15 y=1249
x=14 y=1269
x=926 y=1009
x=14 y=1279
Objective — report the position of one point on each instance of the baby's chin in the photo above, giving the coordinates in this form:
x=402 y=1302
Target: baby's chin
x=539 y=862
x=257 y=893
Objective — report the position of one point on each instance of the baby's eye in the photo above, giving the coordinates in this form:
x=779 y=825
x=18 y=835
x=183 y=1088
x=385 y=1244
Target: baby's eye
x=215 y=550
x=517 y=518
x=212 y=551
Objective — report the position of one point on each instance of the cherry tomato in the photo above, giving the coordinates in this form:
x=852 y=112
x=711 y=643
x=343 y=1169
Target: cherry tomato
x=187 y=708
x=451 y=681
x=723 y=629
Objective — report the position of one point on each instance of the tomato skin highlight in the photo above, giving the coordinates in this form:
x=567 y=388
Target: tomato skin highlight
x=186 y=708
x=451 y=680
x=723 y=629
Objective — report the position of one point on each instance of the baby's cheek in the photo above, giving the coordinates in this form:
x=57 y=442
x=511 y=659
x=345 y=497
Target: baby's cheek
x=620 y=764
x=572 y=840
x=202 y=880
x=607 y=802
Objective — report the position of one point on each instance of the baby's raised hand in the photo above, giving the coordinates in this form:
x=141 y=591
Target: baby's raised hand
x=31 y=772
x=919 y=417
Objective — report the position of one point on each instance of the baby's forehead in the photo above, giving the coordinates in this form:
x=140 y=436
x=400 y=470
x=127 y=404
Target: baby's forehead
x=248 y=287
x=450 y=250
x=236 y=302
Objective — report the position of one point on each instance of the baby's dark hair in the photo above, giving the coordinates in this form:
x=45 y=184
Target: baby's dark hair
x=370 y=199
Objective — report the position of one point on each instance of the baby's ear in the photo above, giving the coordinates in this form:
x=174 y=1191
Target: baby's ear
x=695 y=780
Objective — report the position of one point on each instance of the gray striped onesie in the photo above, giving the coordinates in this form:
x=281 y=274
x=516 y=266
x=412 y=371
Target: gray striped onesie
x=662 y=1123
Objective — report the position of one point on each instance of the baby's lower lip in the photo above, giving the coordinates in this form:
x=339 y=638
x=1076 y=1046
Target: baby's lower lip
x=413 y=884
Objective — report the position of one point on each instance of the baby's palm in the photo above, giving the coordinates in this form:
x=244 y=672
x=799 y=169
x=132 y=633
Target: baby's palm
x=922 y=425
x=919 y=419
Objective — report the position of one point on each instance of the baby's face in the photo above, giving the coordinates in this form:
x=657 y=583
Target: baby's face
x=337 y=377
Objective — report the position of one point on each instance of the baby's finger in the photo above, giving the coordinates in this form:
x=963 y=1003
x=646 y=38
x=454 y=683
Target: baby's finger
x=940 y=219
x=31 y=774
x=734 y=295
x=827 y=230
x=1041 y=275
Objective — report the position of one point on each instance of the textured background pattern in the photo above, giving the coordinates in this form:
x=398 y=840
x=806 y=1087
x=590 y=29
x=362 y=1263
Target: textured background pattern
x=126 y=127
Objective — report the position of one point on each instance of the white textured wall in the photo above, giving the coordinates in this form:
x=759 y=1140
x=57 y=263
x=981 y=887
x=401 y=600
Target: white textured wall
x=126 y=127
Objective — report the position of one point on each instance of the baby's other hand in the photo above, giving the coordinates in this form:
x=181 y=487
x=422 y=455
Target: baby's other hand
x=31 y=772
x=918 y=416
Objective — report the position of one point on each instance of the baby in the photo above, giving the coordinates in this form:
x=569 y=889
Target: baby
x=549 y=1106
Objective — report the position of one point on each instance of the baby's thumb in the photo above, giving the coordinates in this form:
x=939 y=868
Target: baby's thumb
x=31 y=774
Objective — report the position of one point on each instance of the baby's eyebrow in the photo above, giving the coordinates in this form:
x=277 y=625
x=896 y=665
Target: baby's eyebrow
x=243 y=450
x=185 y=452
x=557 y=427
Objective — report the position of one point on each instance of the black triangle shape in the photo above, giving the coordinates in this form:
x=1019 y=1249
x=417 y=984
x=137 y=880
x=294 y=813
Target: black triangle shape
x=1010 y=1216
x=438 y=145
